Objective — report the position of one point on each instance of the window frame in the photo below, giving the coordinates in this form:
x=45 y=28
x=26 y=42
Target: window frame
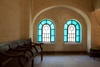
x=52 y=28
x=66 y=25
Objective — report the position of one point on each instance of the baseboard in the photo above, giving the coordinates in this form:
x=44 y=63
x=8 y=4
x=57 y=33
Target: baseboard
x=65 y=52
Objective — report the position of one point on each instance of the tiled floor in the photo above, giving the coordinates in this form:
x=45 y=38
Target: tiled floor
x=63 y=61
x=67 y=61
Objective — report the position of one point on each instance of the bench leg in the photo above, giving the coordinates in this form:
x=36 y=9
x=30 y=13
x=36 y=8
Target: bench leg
x=41 y=56
x=20 y=62
x=94 y=56
x=32 y=64
x=1 y=65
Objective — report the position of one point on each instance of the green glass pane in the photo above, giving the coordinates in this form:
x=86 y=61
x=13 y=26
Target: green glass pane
x=39 y=38
x=52 y=32
x=65 y=26
x=52 y=38
x=74 y=22
x=77 y=38
x=77 y=32
x=65 y=32
x=43 y=22
x=65 y=38
x=49 y=22
x=39 y=32
x=52 y=26
x=40 y=26
x=77 y=26
x=69 y=22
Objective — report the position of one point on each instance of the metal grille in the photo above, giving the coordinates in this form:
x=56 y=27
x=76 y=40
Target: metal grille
x=46 y=33
x=71 y=33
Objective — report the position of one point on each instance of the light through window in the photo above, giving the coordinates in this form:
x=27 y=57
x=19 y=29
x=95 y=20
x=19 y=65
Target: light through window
x=72 y=31
x=46 y=31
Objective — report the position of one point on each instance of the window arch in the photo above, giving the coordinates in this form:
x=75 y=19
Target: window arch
x=46 y=31
x=72 y=31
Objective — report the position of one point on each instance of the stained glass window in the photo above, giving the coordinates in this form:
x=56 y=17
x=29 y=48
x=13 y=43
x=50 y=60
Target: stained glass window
x=46 y=31
x=72 y=31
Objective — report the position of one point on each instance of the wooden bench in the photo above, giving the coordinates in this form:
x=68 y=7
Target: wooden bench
x=95 y=52
x=35 y=48
x=25 y=48
x=6 y=55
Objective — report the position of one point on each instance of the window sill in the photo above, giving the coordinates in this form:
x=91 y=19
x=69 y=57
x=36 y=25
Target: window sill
x=72 y=43
x=48 y=43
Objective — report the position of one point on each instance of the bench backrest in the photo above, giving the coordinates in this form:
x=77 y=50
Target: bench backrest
x=20 y=43
x=4 y=47
x=13 y=45
x=28 y=41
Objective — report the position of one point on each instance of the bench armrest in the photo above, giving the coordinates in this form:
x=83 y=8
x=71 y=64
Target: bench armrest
x=22 y=50
x=38 y=44
x=11 y=55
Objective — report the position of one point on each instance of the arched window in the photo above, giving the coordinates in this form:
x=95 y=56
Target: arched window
x=46 y=31
x=72 y=31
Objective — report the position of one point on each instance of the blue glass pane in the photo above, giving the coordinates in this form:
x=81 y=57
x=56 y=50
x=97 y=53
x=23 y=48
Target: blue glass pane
x=49 y=22
x=65 y=38
x=40 y=26
x=52 y=38
x=52 y=26
x=65 y=26
x=77 y=26
x=40 y=38
x=43 y=22
x=77 y=32
x=74 y=22
x=52 y=32
x=77 y=38
x=39 y=32
x=65 y=32
x=69 y=22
